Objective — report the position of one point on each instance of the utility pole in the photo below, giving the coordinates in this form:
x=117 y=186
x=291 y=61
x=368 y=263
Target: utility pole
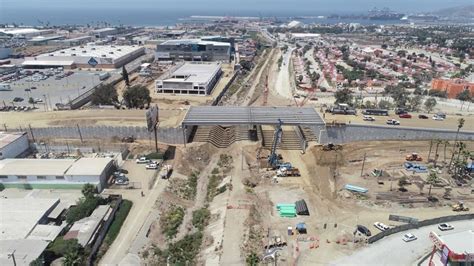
x=363 y=164
x=80 y=134
x=12 y=255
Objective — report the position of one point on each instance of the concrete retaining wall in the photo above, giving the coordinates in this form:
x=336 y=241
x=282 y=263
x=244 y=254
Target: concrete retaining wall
x=165 y=135
x=354 y=132
x=444 y=219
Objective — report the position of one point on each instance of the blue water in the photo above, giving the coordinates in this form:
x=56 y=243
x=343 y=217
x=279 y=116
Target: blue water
x=144 y=16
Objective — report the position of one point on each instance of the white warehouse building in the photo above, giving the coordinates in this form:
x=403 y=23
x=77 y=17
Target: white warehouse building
x=13 y=145
x=55 y=173
x=87 y=56
x=191 y=78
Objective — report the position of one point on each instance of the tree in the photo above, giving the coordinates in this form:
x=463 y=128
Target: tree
x=464 y=96
x=88 y=190
x=137 y=96
x=399 y=95
x=31 y=101
x=430 y=103
x=418 y=91
x=461 y=122
x=415 y=102
x=105 y=95
x=61 y=247
x=343 y=96
x=83 y=208
x=384 y=104
x=72 y=258
x=432 y=179
x=125 y=76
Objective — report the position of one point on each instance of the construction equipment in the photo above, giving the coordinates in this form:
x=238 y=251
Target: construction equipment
x=413 y=157
x=459 y=207
x=332 y=147
x=273 y=158
x=283 y=171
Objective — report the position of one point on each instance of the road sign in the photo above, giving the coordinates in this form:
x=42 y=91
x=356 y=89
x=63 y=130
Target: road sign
x=92 y=62
x=152 y=118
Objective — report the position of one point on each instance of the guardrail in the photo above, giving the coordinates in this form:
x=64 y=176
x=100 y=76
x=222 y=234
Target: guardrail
x=433 y=221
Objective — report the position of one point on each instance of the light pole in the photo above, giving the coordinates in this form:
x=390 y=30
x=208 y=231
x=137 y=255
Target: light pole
x=12 y=255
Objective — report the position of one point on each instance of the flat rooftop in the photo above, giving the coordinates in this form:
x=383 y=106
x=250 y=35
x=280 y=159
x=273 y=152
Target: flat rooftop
x=7 y=138
x=53 y=167
x=107 y=51
x=240 y=115
x=26 y=250
x=19 y=216
x=460 y=242
x=194 y=41
x=194 y=73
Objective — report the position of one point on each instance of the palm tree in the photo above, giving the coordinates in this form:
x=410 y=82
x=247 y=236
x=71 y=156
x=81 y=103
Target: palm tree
x=438 y=142
x=72 y=258
x=88 y=190
x=432 y=179
x=460 y=125
x=446 y=143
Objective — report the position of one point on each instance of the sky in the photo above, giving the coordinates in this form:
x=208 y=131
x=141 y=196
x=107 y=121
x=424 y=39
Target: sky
x=303 y=6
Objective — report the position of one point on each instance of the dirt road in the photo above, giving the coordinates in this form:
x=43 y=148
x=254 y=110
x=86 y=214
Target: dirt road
x=283 y=83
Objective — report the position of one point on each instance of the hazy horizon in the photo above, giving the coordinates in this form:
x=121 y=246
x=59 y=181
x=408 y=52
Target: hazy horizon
x=167 y=12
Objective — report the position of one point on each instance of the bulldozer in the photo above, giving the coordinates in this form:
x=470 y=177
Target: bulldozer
x=459 y=207
x=413 y=157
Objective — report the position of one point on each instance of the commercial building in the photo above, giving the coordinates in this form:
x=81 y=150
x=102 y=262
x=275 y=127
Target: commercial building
x=452 y=248
x=452 y=86
x=13 y=144
x=191 y=78
x=305 y=36
x=193 y=50
x=74 y=41
x=44 y=40
x=87 y=56
x=26 y=32
x=55 y=173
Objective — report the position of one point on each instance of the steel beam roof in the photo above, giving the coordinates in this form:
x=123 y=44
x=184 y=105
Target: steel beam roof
x=240 y=115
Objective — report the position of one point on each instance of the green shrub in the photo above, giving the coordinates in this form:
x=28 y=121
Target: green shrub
x=119 y=219
x=191 y=186
x=84 y=208
x=201 y=218
x=61 y=247
x=211 y=187
x=154 y=156
x=184 y=251
x=171 y=221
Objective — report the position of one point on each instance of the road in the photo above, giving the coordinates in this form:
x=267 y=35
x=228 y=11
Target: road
x=257 y=79
x=392 y=250
x=283 y=84
x=136 y=218
x=310 y=57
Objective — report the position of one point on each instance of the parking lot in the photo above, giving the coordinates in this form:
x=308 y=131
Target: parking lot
x=47 y=90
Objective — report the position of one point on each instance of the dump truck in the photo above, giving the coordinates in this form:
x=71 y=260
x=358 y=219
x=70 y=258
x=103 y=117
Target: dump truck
x=460 y=207
x=413 y=157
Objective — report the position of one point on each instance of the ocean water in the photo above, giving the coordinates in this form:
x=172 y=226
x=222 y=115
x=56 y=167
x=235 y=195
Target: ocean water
x=148 y=16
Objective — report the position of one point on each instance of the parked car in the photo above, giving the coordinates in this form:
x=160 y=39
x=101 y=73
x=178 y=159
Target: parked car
x=409 y=237
x=121 y=182
x=363 y=230
x=445 y=227
x=405 y=115
x=368 y=118
x=422 y=116
x=143 y=160
x=381 y=226
x=393 y=122
x=18 y=99
x=438 y=118
x=152 y=166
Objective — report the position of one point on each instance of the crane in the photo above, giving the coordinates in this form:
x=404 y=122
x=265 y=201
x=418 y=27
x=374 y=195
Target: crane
x=273 y=158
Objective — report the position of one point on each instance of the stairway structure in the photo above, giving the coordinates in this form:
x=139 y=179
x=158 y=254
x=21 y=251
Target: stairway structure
x=221 y=137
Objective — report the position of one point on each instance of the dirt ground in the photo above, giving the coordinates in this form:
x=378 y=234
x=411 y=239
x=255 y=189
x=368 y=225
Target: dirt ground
x=89 y=117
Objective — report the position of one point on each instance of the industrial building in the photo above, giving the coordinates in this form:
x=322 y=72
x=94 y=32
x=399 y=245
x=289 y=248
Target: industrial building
x=191 y=78
x=24 y=228
x=87 y=56
x=55 y=173
x=101 y=33
x=13 y=144
x=193 y=50
x=86 y=229
x=26 y=32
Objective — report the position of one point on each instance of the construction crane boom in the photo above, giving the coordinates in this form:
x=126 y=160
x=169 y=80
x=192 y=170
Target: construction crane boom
x=273 y=158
